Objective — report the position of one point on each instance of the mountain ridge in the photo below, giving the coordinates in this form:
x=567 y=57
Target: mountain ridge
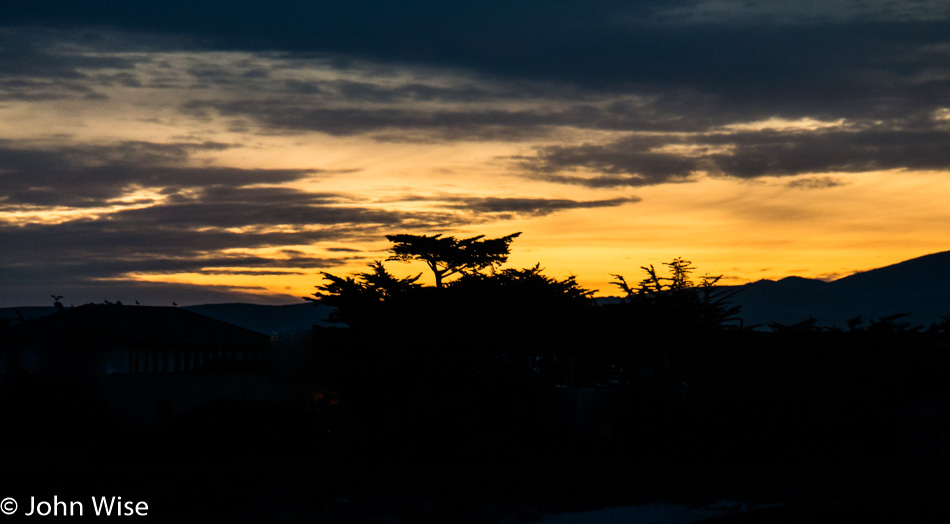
x=918 y=286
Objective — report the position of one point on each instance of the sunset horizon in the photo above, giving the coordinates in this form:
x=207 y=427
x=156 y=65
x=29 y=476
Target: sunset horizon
x=209 y=153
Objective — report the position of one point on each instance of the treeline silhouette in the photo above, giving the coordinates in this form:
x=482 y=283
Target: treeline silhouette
x=511 y=371
x=498 y=388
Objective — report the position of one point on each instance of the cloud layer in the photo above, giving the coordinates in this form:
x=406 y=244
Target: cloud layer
x=134 y=138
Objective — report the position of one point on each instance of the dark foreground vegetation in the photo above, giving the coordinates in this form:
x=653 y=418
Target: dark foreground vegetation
x=502 y=393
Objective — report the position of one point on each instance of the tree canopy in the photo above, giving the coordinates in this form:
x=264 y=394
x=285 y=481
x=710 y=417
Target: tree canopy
x=478 y=300
x=360 y=298
x=677 y=300
x=449 y=256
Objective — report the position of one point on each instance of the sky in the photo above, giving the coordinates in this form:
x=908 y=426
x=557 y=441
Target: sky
x=202 y=152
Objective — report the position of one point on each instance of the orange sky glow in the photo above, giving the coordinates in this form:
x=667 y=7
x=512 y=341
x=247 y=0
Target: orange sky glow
x=598 y=182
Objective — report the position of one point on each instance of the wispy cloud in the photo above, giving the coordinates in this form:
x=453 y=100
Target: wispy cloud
x=530 y=206
x=93 y=175
x=633 y=161
x=822 y=182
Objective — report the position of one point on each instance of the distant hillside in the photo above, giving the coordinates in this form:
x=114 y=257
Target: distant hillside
x=269 y=320
x=26 y=312
x=926 y=276
x=920 y=286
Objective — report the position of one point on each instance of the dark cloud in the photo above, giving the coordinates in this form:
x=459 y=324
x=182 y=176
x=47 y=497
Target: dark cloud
x=225 y=207
x=213 y=220
x=124 y=79
x=778 y=153
x=796 y=59
x=605 y=181
x=631 y=162
x=31 y=90
x=401 y=121
x=685 y=75
x=40 y=54
x=635 y=161
x=505 y=110
x=367 y=92
x=846 y=62
x=288 y=116
x=802 y=13
x=249 y=272
x=85 y=176
x=37 y=67
x=823 y=182
x=172 y=239
x=532 y=206
x=629 y=156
